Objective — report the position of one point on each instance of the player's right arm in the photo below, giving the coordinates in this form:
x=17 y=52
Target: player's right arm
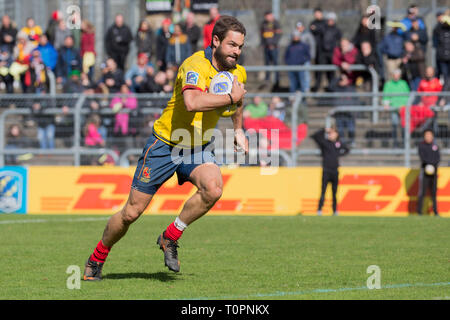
x=200 y=101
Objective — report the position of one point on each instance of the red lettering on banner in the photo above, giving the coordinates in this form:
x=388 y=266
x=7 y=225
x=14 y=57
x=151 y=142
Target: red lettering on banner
x=355 y=200
x=91 y=197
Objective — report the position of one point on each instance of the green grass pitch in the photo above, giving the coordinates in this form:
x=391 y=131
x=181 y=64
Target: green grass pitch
x=230 y=257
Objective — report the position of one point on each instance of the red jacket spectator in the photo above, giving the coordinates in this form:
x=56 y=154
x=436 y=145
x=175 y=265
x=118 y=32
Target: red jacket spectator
x=87 y=38
x=419 y=114
x=430 y=85
x=344 y=56
x=208 y=28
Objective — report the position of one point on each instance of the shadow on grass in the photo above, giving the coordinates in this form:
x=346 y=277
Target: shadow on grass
x=160 y=276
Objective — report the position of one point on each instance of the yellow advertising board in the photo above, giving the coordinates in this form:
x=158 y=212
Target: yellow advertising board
x=247 y=191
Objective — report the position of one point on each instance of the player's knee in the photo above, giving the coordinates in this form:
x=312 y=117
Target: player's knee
x=131 y=213
x=211 y=193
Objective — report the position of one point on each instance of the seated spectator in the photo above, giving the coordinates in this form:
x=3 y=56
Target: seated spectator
x=392 y=47
x=48 y=53
x=64 y=123
x=8 y=34
x=171 y=75
x=21 y=57
x=368 y=58
x=68 y=59
x=136 y=75
x=120 y=104
x=417 y=35
x=298 y=54
x=277 y=108
x=430 y=84
x=36 y=77
x=345 y=121
x=144 y=38
x=92 y=136
x=344 y=56
x=257 y=109
x=394 y=103
x=45 y=126
x=32 y=31
x=179 y=47
x=420 y=116
x=73 y=84
x=14 y=140
x=5 y=69
x=149 y=85
x=113 y=77
x=413 y=64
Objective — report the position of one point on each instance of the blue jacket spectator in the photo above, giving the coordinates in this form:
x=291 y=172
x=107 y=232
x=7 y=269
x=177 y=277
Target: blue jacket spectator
x=297 y=53
x=412 y=15
x=68 y=60
x=48 y=53
x=392 y=45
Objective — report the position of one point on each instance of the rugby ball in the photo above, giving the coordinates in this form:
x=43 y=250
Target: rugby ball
x=429 y=169
x=222 y=84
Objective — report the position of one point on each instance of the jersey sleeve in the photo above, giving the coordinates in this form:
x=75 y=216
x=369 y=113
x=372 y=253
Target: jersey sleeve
x=241 y=74
x=192 y=76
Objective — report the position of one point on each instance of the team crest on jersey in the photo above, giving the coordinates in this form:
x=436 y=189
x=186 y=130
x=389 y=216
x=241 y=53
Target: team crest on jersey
x=145 y=175
x=221 y=87
x=192 y=78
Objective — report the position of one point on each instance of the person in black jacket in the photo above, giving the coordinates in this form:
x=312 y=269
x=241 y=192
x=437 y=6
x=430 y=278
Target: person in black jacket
x=429 y=157
x=8 y=34
x=117 y=41
x=331 y=149
x=317 y=28
x=441 y=36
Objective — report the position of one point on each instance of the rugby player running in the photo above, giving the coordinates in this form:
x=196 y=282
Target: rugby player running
x=191 y=110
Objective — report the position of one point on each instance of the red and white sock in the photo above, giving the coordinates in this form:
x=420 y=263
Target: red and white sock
x=175 y=229
x=100 y=253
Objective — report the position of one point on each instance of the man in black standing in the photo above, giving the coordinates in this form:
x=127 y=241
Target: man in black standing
x=317 y=28
x=270 y=37
x=117 y=41
x=331 y=149
x=429 y=157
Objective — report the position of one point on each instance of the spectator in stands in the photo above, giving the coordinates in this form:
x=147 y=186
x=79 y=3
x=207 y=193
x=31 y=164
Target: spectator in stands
x=32 y=31
x=344 y=56
x=53 y=25
x=308 y=38
x=113 y=77
x=14 y=140
x=192 y=30
x=345 y=121
x=22 y=56
x=297 y=54
x=214 y=15
x=392 y=47
x=171 y=77
x=417 y=35
x=430 y=84
x=441 y=41
x=270 y=38
x=162 y=42
x=61 y=33
x=317 y=28
x=179 y=47
x=144 y=38
x=331 y=150
x=48 y=53
x=394 y=103
x=429 y=156
x=148 y=85
x=413 y=64
x=6 y=61
x=8 y=34
x=92 y=136
x=68 y=59
x=87 y=48
x=368 y=57
x=277 y=108
x=257 y=109
x=117 y=41
x=331 y=38
x=36 y=77
x=73 y=83
x=45 y=125
x=365 y=34
x=136 y=75
x=121 y=104
x=412 y=15
x=64 y=124
x=439 y=20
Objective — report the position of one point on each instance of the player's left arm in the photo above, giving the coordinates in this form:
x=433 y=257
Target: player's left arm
x=240 y=140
